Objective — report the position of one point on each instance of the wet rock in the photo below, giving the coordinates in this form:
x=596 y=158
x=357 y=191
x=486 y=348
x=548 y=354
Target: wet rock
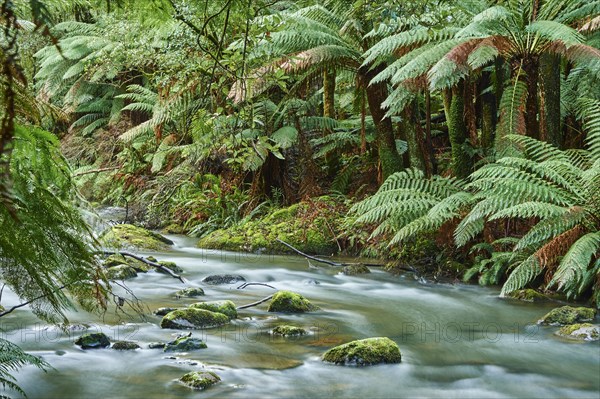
x=219 y=279
x=225 y=307
x=121 y=272
x=583 y=332
x=156 y=345
x=528 y=295
x=200 y=379
x=289 y=330
x=114 y=260
x=190 y=318
x=311 y=282
x=163 y=311
x=169 y=265
x=190 y=292
x=364 y=352
x=92 y=341
x=353 y=270
x=184 y=344
x=290 y=302
x=567 y=315
x=125 y=345
x=127 y=235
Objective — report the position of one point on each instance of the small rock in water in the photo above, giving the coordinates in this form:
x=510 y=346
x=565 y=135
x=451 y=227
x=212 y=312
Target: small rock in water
x=290 y=302
x=219 y=279
x=156 y=345
x=567 y=315
x=172 y=266
x=163 y=311
x=225 y=307
x=353 y=270
x=289 y=330
x=190 y=318
x=190 y=292
x=311 y=282
x=200 y=379
x=582 y=332
x=364 y=352
x=93 y=340
x=184 y=344
x=125 y=345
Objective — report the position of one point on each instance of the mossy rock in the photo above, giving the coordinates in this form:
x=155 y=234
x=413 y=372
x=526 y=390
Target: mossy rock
x=220 y=279
x=286 y=330
x=364 y=352
x=528 y=295
x=200 y=379
x=190 y=318
x=225 y=307
x=190 y=292
x=567 y=315
x=121 y=272
x=2 y=309
x=290 y=302
x=184 y=344
x=582 y=332
x=164 y=311
x=156 y=345
x=353 y=270
x=128 y=235
x=172 y=266
x=93 y=341
x=125 y=345
x=174 y=228
x=114 y=260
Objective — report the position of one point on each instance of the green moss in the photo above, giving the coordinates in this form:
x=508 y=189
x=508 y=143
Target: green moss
x=169 y=265
x=173 y=228
x=568 y=315
x=290 y=302
x=585 y=331
x=125 y=345
x=289 y=330
x=364 y=352
x=200 y=379
x=190 y=292
x=191 y=318
x=353 y=270
x=114 y=260
x=127 y=235
x=184 y=344
x=93 y=340
x=225 y=307
x=164 y=311
x=121 y=272
x=528 y=295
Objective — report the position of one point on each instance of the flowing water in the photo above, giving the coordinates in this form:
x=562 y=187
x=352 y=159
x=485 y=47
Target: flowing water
x=456 y=340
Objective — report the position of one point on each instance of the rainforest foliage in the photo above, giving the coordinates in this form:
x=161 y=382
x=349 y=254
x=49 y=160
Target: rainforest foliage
x=473 y=126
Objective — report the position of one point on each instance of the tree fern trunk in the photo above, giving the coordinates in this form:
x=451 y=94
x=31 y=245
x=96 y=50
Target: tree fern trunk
x=332 y=159
x=457 y=132
x=550 y=98
x=413 y=139
x=532 y=125
x=488 y=111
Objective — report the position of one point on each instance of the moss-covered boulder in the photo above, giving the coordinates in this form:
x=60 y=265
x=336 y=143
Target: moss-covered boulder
x=220 y=279
x=121 y=272
x=528 y=295
x=308 y=226
x=190 y=292
x=169 y=265
x=184 y=344
x=164 y=311
x=114 y=260
x=93 y=341
x=286 y=330
x=353 y=270
x=567 y=315
x=125 y=346
x=190 y=318
x=364 y=352
x=128 y=235
x=583 y=332
x=290 y=302
x=225 y=307
x=200 y=379
x=156 y=345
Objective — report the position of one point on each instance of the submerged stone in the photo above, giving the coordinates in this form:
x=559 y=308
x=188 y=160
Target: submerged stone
x=169 y=265
x=290 y=302
x=190 y=292
x=184 y=344
x=121 y=272
x=567 y=315
x=584 y=332
x=528 y=295
x=289 y=330
x=364 y=352
x=190 y=318
x=93 y=341
x=125 y=345
x=128 y=235
x=219 y=279
x=200 y=379
x=163 y=311
x=225 y=307
x=353 y=270
x=156 y=345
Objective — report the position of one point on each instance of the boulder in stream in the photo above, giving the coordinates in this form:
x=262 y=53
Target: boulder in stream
x=567 y=315
x=225 y=307
x=220 y=279
x=128 y=235
x=121 y=272
x=290 y=302
x=200 y=379
x=582 y=332
x=185 y=344
x=286 y=330
x=169 y=265
x=353 y=270
x=125 y=345
x=190 y=318
x=93 y=341
x=364 y=352
x=528 y=295
x=190 y=292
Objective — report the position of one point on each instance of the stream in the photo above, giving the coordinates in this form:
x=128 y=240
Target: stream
x=457 y=340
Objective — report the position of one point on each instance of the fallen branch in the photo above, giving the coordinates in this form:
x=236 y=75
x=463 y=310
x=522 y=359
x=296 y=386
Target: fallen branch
x=148 y=262
x=7 y=311
x=88 y=172
x=241 y=287
x=255 y=303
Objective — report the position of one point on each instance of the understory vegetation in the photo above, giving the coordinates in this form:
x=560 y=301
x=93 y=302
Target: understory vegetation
x=459 y=136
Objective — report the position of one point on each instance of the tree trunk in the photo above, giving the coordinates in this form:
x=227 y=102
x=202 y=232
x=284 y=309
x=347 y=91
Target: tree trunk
x=550 y=99
x=488 y=111
x=386 y=144
x=428 y=140
x=412 y=133
x=532 y=125
x=329 y=94
x=457 y=132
